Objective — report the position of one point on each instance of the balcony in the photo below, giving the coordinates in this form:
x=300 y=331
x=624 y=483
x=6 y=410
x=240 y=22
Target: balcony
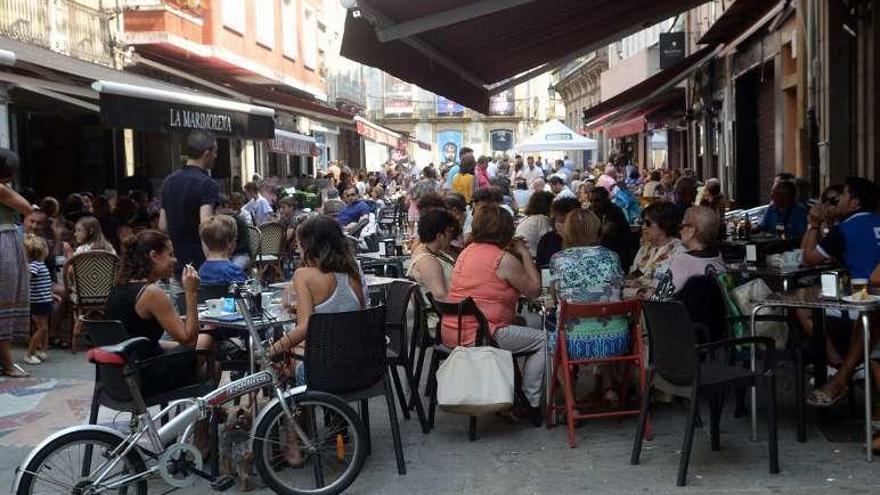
x=64 y=26
x=151 y=21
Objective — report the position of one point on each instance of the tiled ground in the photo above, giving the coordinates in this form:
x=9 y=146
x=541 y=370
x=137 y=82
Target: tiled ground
x=506 y=459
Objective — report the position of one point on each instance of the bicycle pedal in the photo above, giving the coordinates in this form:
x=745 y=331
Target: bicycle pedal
x=223 y=483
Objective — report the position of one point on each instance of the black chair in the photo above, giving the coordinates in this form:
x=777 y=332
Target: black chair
x=212 y=292
x=397 y=297
x=681 y=367
x=346 y=355
x=466 y=308
x=111 y=389
x=421 y=339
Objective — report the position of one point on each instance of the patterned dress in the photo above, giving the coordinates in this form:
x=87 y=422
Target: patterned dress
x=653 y=262
x=590 y=274
x=15 y=281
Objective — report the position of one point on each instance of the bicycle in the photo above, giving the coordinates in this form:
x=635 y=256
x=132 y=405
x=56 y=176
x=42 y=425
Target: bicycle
x=328 y=433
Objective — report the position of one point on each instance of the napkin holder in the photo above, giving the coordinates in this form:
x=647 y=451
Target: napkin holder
x=386 y=247
x=832 y=284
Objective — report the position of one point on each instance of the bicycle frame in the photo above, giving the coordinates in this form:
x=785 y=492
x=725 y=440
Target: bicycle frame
x=182 y=424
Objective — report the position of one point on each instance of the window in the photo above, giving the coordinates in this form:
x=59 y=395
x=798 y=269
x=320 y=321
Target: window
x=232 y=13
x=310 y=39
x=288 y=27
x=265 y=12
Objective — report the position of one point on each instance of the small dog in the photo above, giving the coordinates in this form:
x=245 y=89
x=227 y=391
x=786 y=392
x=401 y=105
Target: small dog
x=236 y=458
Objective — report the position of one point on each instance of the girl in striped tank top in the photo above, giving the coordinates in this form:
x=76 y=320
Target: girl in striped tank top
x=41 y=297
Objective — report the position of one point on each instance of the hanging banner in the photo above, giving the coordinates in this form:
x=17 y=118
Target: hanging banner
x=398 y=97
x=503 y=103
x=502 y=140
x=449 y=143
x=448 y=108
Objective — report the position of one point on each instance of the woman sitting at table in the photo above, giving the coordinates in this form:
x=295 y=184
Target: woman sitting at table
x=584 y=272
x=537 y=221
x=659 y=244
x=147 y=311
x=430 y=265
x=494 y=270
x=329 y=280
x=699 y=235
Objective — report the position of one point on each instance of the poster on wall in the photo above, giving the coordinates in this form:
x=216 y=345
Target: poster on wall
x=448 y=108
x=502 y=140
x=398 y=97
x=502 y=104
x=449 y=142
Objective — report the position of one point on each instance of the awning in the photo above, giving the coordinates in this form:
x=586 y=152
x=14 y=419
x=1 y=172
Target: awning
x=652 y=87
x=377 y=133
x=289 y=102
x=159 y=110
x=421 y=144
x=738 y=17
x=636 y=120
x=466 y=49
x=292 y=143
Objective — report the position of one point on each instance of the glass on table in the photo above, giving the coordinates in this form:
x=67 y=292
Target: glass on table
x=859 y=285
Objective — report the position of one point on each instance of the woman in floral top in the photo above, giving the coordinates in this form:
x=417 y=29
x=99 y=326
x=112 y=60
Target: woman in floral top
x=584 y=272
x=659 y=244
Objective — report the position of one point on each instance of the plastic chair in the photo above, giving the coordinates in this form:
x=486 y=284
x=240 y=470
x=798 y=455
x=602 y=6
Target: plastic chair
x=682 y=368
x=397 y=298
x=421 y=339
x=564 y=365
x=272 y=236
x=346 y=355
x=91 y=278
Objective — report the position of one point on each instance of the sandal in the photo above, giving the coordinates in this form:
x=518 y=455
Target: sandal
x=16 y=372
x=820 y=398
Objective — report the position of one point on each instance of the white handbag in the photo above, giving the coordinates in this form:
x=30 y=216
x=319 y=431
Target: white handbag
x=475 y=381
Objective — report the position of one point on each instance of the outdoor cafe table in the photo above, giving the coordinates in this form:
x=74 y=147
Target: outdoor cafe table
x=779 y=278
x=810 y=298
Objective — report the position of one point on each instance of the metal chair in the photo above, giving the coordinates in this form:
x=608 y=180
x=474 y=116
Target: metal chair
x=564 y=365
x=682 y=368
x=398 y=296
x=272 y=236
x=91 y=277
x=346 y=355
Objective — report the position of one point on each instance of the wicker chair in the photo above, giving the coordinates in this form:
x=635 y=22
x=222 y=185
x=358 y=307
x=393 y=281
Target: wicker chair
x=91 y=278
x=254 y=241
x=272 y=235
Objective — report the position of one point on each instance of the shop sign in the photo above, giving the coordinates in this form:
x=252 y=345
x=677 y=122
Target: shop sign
x=671 y=49
x=290 y=145
x=161 y=116
x=377 y=135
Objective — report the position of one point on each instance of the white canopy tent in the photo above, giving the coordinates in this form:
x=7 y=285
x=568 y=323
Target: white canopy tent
x=555 y=136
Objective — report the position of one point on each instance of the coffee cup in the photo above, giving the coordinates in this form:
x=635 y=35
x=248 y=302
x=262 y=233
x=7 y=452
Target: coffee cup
x=215 y=306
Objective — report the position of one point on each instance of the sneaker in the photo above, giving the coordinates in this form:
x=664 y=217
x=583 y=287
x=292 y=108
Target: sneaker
x=31 y=359
x=42 y=355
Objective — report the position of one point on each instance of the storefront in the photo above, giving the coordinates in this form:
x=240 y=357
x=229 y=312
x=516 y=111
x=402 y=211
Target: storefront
x=378 y=143
x=292 y=155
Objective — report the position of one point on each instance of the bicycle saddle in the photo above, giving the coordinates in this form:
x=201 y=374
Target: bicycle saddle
x=119 y=354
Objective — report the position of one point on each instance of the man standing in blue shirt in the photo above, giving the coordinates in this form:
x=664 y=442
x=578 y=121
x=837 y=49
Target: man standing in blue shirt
x=785 y=211
x=855 y=243
x=355 y=208
x=189 y=196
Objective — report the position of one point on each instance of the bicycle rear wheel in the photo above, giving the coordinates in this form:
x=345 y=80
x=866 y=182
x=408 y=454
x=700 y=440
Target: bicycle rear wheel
x=69 y=464
x=327 y=462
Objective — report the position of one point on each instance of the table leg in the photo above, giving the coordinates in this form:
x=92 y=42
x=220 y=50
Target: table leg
x=866 y=330
x=753 y=406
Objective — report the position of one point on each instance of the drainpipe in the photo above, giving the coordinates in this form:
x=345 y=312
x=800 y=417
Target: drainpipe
x=811 y=124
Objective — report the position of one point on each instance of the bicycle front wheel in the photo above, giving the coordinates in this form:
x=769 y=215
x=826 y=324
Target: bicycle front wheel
x=70 y=463
x=320 y=452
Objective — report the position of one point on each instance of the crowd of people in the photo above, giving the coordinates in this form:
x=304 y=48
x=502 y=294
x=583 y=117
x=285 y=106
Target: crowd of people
x=482 y=227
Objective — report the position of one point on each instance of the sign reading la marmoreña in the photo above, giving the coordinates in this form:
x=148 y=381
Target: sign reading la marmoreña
x=190 y=119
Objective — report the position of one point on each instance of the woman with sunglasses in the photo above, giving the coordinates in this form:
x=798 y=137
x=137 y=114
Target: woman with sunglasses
x=659 y=244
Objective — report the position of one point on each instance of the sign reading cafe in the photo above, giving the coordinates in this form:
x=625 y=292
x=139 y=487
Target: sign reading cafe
x=191 y=119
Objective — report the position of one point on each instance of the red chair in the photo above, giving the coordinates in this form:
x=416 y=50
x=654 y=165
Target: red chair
x=563 y=364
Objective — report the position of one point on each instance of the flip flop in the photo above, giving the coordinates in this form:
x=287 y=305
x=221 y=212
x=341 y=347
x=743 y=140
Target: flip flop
x=820 y=398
